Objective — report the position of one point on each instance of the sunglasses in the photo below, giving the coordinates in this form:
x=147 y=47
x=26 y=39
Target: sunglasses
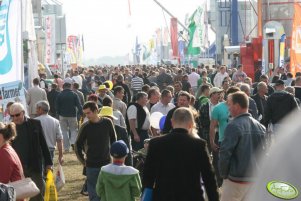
x=15 y=115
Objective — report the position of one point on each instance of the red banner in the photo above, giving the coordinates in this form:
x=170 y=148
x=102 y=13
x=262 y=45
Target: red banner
x=174 y=37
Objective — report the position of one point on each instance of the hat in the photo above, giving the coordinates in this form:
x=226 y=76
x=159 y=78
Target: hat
x=107 y=111
x=68 y=80
x=101 y=87
x=215 y=90
x=119 y=149
x=279 y=82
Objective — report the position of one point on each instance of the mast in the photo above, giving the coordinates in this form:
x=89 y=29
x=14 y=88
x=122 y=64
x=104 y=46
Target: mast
x=259 y=11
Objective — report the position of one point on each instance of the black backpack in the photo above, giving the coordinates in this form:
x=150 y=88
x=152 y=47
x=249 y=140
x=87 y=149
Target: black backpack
x=7 y=193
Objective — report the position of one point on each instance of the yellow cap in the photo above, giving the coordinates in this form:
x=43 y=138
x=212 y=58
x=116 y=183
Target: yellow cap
x=101 y=87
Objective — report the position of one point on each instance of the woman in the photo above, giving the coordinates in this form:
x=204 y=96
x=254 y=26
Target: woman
x=10 y=170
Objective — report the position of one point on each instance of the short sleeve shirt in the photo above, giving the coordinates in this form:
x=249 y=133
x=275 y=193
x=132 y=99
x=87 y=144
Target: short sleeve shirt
x=220 y=113
x=132 y=114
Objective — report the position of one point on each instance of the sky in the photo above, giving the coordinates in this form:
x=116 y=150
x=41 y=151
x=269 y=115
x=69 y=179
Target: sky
x=105 y=23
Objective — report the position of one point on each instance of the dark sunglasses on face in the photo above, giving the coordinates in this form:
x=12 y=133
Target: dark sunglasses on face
x=15 y=115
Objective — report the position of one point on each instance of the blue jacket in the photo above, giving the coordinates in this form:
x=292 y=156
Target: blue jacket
x=244 y=138
x=67 y=102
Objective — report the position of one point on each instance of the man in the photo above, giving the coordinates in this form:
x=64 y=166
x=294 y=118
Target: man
x=52 y=96
x=118 y=104
x=185 y=84
x=252 y=104
x=220 y=76
x=127 y=94
x=239 y=75
x=43 y=83
x=31 y=147
x=183 y=101
x=176 y=163
x=35 y=94
x=77 y=79
x=153 y=97
x=244 y=139
x=205 y=113
x=136 y=83
x=138 y=121
x=298 y=87
x=67 y=105
x=219 y=120
x=78 y=93
x=193 y=78
x=164 y=106
x=261 y=100
x=102 y=93
x=279 y=104
x=96 y=135
x=163 y=79
x=51 y=128
x=225 y=85
x=265 y=79
x=178 y=89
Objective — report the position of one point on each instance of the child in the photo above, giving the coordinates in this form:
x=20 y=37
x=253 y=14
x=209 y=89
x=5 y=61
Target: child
x=116 y=181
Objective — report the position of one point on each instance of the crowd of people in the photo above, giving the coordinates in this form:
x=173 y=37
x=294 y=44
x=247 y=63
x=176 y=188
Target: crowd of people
x=217 y=121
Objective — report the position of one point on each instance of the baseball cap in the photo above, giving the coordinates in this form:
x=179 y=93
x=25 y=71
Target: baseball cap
x=279 y=82
x=215 y=90
x=119 y=149
x=101 y=87
x=107 y=111
x=68 y=80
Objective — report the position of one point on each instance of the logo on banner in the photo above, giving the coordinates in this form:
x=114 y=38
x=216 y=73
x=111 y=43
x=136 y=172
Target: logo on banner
x=6 y=62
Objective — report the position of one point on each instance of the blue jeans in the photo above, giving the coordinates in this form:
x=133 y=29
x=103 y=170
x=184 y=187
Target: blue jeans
x=92 y=176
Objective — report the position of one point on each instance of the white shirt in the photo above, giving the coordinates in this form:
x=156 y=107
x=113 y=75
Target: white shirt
x=164 y=109
x=132 y=114
x=219 y=78
x=52 y=129
x=193 y=79
x=120 y=119
x=78 y=79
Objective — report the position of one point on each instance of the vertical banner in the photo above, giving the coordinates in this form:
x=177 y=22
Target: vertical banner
x=281 y=52
x=50 y=39
x=10 y=92
x=10 y=41
x=295 y=60
x=182 y=51
x=174 y=37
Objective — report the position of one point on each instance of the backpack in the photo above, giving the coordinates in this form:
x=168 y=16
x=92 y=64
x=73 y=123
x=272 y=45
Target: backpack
x=7 y=193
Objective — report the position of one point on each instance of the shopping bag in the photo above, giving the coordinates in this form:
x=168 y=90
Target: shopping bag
x=25 y=188
x=147 y=194
x=50 y=189
x=60 y=178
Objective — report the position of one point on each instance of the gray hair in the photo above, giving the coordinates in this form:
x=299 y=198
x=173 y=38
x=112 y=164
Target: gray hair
x=44 y=105
x=290 y=89
x=245 y=88
x=17 y=107
x=260 y=85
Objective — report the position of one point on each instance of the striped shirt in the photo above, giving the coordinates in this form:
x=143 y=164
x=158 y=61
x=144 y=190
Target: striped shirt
x=137 y=83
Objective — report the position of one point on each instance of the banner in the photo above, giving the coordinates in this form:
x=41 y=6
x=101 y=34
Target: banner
x=75 y=49
x=50 y=40
x=10 y=41
x=174 y=37
x=281 y=51
x=295 y=52
x=10 y=92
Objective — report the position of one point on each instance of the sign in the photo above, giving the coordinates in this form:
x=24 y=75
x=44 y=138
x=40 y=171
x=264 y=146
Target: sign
x=10 y=41
x=50 y=39
x=10 y=92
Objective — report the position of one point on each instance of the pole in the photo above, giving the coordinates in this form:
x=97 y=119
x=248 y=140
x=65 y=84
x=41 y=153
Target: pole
x=171 y=15
x=259 y=10
x=234 y=22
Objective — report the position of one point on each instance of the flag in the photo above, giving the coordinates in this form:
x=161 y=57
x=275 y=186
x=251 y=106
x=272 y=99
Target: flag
x=83 y=44
x=295 y=53
x=174 y=36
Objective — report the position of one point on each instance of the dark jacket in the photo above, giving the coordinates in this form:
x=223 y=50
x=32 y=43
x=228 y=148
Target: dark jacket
x=261 y=104
x=167 y=125
x=39 y=151
x=141 y=115
x=253 y=108
x=270 y=89
x=122 y=134
x=174 y=166
x=279 y=104
x=51 y=97
x=127 y=93
x=163 y=80
x=67 y=102
x=244 y=138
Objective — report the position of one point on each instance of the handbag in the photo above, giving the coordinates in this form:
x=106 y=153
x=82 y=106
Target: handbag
x=60 y=178
x=25 y=188
x=50 y=189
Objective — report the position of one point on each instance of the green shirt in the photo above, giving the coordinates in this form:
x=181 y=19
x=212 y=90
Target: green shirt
x=116 y=183
x=220 y=113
